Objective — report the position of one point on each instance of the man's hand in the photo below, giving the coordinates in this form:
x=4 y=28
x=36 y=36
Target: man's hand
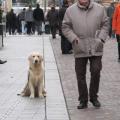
x=102 y=41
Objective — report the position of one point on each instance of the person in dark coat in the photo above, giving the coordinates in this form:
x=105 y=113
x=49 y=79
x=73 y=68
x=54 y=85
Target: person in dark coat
x=66 y=46
x=52 y=17
x=1 y=12
x=38 y=16
x=110 y=11
x=21 y=19
x=18 y=24
x=11 y=19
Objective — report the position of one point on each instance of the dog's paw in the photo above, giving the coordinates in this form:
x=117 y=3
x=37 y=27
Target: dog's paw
x=44 y=94
x=32 y=96
x=41 y=96
x=22 y=94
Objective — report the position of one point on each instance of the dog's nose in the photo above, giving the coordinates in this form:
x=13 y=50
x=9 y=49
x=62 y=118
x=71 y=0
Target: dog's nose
x=36 y=61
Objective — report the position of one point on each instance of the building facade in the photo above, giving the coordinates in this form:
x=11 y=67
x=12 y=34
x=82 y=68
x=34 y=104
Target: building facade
x=7 y=5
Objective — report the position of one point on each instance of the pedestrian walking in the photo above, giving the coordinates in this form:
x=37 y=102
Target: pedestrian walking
x=22 y=21
x=66 y=46
x=116 y=26
x=1 y=14
x=11 y=20
x=38 y=16
x=86 y=26
x=29 y=20
x=52 y=17
x=47 y=25
x=110 y=11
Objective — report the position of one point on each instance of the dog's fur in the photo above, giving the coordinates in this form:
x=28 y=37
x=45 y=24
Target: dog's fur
x=35 y=83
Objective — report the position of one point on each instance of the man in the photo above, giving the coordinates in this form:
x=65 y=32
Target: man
x=66 y=46
x=116 y=27
x=38 y=16
x=86 y=26
x=11 y=19
x=21 y=17
x=110 y=11
x=29 y=20
x=52 y=17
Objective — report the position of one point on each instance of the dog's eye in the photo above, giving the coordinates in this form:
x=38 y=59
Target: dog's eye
x=33 y=56
x=38 y=56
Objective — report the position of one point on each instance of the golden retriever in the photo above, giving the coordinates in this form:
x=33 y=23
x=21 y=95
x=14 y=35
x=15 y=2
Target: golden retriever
x=35 y=84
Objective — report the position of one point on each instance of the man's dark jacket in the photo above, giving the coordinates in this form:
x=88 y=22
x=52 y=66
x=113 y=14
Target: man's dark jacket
x=38 y=14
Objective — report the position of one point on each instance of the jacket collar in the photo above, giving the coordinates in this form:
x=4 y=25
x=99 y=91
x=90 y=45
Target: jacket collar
x=82 y=7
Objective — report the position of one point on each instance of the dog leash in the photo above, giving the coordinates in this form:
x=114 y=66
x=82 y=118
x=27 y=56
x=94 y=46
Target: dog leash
x=44 y=79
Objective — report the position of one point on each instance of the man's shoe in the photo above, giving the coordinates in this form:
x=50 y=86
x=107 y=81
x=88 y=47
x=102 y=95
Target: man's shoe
x=82 y=105
x=96 y=103
x=2 y=62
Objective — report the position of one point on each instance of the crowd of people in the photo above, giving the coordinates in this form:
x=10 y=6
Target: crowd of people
x=30 y=20
x=26 y=22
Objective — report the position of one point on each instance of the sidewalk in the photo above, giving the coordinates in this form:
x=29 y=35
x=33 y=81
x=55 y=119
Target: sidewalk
x=109 y=92
x=13 y=76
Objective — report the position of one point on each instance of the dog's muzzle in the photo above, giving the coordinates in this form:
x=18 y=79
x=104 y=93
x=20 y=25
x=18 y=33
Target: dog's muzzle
x=36 y=61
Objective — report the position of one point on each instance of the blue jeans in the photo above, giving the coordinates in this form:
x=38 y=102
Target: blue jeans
x=23 y=26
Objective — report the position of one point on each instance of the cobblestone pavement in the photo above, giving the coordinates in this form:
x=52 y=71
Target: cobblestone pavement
x=109 y=92
x=13 y=76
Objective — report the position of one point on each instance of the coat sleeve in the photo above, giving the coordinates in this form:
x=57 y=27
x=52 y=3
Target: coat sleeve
x=67 y=29
x=104 y=27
